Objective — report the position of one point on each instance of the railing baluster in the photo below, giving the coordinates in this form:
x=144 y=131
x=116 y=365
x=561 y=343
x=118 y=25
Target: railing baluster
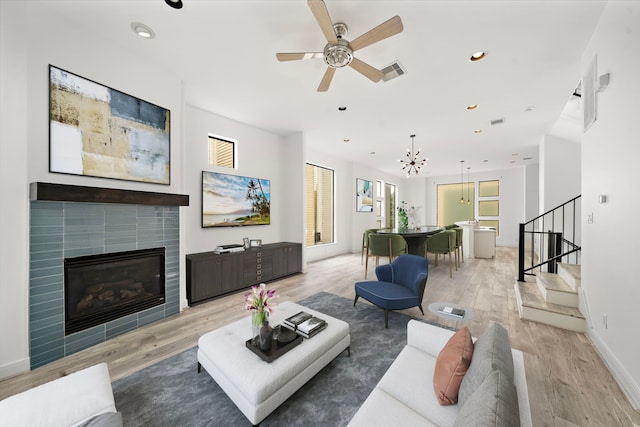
x=562 y=247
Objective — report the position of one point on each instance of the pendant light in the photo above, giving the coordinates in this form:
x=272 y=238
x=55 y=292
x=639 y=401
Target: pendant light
x=413 y=163
x=461 y=183
x=468 y=184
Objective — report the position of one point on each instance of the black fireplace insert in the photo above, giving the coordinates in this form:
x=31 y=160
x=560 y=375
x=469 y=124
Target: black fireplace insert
x=105 y=287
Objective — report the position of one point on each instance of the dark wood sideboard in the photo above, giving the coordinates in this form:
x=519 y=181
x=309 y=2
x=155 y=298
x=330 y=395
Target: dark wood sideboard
x=210 y=275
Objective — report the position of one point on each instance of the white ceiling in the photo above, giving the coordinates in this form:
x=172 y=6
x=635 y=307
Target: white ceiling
x=224 y=51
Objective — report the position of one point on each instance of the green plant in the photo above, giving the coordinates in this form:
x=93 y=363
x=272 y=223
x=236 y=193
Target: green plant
x=402 y=215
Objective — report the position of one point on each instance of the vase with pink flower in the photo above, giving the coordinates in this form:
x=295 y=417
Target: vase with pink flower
x=259 y=301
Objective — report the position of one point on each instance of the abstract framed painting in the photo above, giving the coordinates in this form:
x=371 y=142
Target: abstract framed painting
x=364 y=195
x=98 y=131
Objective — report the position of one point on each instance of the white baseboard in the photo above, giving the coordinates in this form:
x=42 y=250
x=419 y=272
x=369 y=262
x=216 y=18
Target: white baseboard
x=15 y=368
x=620 y=374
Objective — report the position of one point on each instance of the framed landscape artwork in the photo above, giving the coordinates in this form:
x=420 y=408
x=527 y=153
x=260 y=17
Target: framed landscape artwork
x=364 y=195
x=98 y=131
x=234 y=200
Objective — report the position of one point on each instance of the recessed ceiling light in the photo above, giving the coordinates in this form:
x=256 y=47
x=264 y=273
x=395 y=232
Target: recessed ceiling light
x=176 y=4
x=342 y=108
x=472 y=107
x=346 y=140
x=477 y=131
x=142 y=30
x=478 y=55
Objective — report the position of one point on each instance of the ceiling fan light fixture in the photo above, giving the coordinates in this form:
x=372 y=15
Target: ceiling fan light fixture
x=338 y=55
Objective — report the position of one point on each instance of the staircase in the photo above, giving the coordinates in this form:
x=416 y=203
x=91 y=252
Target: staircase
x=552 y=299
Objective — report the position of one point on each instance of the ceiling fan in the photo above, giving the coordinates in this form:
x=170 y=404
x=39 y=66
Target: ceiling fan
x=338 y=52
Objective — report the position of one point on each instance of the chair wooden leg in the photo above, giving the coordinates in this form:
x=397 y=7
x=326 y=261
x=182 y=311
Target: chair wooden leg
x=450 y=270
x=366 y=265
x=462 y=253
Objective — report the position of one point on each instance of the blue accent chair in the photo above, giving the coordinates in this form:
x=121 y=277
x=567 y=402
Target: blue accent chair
x=400 y=285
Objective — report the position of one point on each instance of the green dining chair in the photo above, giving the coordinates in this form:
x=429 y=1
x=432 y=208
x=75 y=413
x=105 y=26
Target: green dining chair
x=459 y=246
x=365 y=241
x=378 y=246
x=443 y=243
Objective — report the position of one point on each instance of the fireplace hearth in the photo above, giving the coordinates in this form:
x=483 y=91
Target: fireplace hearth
x=105 y=287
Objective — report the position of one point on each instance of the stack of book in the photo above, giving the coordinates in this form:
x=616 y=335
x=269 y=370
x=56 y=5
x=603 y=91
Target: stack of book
x=457 y=312
x=304 y=324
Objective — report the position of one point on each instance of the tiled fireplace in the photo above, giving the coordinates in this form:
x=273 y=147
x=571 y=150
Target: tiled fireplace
x=71 y=229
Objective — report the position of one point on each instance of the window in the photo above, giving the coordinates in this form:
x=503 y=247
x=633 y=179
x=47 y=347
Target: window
x=221 y=152
x=489 y=204
x=319 y=190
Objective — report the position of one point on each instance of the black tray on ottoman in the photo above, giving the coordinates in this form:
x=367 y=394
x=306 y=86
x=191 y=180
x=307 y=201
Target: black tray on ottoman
x=277 y=349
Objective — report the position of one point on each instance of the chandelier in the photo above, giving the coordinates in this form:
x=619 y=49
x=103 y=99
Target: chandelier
x=412 y=163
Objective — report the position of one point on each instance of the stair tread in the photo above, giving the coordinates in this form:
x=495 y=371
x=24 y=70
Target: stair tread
x=575 y=270
x=553 y=282
x=530 y=297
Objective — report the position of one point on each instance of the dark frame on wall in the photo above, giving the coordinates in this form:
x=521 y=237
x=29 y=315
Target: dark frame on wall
x=364 y=195
x=98 y=131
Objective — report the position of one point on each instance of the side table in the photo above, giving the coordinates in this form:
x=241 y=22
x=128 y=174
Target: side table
x=436 y=306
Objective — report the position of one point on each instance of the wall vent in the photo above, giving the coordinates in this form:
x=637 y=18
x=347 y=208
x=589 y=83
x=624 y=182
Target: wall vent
x=392 y=71
x=497 y=122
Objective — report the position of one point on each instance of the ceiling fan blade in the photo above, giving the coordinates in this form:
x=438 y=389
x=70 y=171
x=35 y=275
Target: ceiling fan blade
x=387 y=29
x=326 y=79
x=300 y=55
x=319 y=10
x=366 y=70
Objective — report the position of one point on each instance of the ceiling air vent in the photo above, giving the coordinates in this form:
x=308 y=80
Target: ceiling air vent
x=497 y=122
x=392 y=71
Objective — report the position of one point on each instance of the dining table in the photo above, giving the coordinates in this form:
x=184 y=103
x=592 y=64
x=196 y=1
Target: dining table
x=415 y=237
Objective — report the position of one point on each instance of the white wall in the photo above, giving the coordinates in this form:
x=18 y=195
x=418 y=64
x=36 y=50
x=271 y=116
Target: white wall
x=364 y=220
x=512 y=185
x=14 y=208
x=560 y=171
x=259 y=155
x=610 y=153
x=26 y=55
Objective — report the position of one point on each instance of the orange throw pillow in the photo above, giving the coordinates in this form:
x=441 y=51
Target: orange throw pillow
x=451 y=365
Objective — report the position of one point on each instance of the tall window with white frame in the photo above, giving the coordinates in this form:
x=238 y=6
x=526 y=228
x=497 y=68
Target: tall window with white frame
x=320 y=202
x=222 y=152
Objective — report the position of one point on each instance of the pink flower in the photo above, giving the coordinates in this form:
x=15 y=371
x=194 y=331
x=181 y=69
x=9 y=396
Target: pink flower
x=259 y=299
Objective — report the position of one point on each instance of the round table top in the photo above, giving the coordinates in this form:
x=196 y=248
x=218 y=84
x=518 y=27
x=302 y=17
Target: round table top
x=424 y=230
x=437 y=307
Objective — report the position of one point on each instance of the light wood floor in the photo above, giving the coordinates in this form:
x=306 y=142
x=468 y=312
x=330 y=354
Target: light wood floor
x=568 y=383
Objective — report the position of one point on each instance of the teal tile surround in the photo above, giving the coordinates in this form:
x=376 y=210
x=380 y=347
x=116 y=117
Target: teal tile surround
x=60 y=230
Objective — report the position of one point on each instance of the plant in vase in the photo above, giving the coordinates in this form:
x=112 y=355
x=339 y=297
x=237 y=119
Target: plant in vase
x=403 y=218
x=259 y=301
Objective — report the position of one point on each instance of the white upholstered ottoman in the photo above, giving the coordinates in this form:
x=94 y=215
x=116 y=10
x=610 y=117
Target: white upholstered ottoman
x=258 y=387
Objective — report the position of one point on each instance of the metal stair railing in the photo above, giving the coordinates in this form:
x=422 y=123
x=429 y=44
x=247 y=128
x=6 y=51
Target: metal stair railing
x=552 y=236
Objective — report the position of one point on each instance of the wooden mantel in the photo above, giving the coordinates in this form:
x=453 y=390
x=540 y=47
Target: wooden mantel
x=75 y=193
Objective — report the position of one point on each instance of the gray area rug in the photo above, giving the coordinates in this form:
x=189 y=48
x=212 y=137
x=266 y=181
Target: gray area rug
x=172 y=393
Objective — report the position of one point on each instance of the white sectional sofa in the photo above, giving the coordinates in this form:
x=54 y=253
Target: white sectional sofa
x=405 y=394
x=83 y=398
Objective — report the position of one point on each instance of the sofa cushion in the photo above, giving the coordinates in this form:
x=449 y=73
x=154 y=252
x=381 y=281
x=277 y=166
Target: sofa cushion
x=451 y=365
x=406 y=381
x=492 y=351
x=494 y=403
